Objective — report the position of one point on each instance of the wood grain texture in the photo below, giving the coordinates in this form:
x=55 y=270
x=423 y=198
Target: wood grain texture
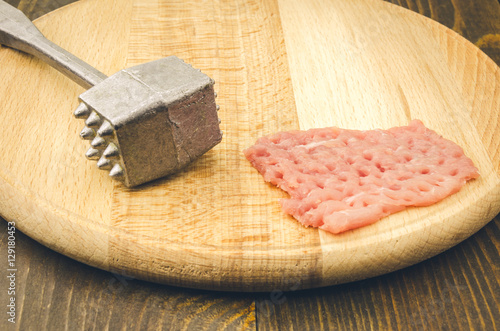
x=446 y=292
x=57 y=293
x=255 y=96
x=35 y=9
x=217 y=225
x=477 y=21
x=457 y=290
x=462 y=283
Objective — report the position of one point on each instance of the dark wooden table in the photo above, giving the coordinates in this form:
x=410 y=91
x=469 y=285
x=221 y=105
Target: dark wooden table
x=458 y=289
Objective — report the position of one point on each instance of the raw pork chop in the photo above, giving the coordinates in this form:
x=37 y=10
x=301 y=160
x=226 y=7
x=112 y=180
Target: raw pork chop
x=341 y=179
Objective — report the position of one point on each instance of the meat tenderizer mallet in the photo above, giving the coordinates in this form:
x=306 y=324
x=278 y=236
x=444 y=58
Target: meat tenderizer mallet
x=144 y=122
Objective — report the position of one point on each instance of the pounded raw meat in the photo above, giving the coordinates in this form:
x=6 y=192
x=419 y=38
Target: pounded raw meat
x=341 y=179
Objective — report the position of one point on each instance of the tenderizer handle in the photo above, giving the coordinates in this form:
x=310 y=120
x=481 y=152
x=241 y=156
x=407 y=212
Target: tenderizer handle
x=18 y=32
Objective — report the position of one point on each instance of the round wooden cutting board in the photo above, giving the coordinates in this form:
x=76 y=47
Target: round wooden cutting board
x=278 y=65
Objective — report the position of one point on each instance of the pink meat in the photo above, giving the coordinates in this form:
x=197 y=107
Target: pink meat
x=341 y=179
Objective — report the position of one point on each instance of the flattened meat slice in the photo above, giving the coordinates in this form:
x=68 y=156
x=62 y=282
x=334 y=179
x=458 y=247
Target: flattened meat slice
x=341 y=179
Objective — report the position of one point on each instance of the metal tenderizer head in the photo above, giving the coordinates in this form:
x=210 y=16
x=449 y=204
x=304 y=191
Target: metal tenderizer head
x=150 y=120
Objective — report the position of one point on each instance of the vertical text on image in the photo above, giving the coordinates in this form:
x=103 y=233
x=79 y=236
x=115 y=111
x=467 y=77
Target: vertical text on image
x=11 y=272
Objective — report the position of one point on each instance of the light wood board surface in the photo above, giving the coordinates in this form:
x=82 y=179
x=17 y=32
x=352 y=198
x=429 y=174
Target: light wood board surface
x=278 y=65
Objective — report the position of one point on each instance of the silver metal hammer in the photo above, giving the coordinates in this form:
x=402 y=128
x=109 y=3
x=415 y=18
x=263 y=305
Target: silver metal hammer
x=144 y=122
